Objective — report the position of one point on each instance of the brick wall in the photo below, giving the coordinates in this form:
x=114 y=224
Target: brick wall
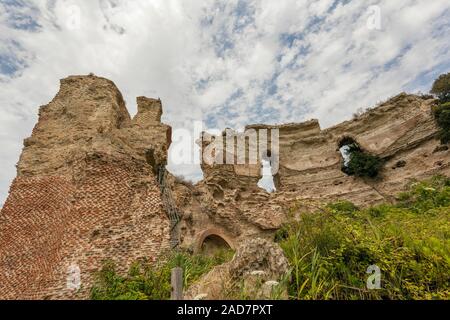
x=108 y=210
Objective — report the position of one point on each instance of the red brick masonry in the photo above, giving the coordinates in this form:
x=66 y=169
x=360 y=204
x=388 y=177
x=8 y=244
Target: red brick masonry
x=49 y=223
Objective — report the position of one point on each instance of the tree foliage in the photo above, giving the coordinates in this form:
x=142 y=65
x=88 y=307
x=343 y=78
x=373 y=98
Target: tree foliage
x=362 y=164
x=442 y=115
x=441 y=87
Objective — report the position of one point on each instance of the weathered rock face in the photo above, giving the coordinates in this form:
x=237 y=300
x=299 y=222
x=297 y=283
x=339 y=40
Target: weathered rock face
x=256 y=262
x=85 y=192
x=259 y=255
x=86 y=187
x=401 y=131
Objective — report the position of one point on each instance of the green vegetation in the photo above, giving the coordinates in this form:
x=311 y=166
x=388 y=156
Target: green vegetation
x=331 y=250
x=361 y=164
x=441 y=87
x=152 y=281
x=442 y=115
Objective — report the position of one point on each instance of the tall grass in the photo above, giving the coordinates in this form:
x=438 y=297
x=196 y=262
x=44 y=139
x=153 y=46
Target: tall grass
x=146 y=281
x=330 y=250
x=329 y=253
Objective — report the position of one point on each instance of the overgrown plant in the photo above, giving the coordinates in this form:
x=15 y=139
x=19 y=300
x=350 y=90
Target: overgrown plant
x=146 y=281
x=441 y=88
x=331 y=250
x=361 y=164
x=442 y=115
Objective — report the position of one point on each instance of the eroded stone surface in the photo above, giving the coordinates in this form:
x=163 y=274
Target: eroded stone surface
x=85 y=192
x=402 y=131
x=86 y=188
x=259 y=255
x=256 y=262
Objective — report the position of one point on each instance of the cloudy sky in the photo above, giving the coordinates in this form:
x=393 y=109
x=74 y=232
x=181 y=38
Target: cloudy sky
x=225 y=62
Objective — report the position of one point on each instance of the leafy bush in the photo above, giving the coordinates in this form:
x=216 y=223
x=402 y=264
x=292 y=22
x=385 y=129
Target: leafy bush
x=362 y=164
x=330 y=250
x=152 y=281
x=442 y=115
x=441 y=87
x=427 y=195
x=344 y=207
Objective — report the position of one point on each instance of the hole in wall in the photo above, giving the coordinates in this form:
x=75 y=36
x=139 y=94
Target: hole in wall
x=223 y=183
x=356 y=161
x=218 y=194
x=267 y=181
x=214 y=243
x=399 y=164
x=347 y=145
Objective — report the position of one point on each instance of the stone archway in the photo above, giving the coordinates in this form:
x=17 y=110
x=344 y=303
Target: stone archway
x=212 y=239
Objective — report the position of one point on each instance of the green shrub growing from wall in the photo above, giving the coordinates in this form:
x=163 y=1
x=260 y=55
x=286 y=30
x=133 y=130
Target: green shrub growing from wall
x=362 y=164
x=442 y=115
x=441 y=88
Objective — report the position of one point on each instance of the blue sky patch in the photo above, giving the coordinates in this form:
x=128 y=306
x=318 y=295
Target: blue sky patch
x=21 y=15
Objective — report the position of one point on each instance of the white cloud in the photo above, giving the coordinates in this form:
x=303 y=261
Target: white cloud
x=228 y=62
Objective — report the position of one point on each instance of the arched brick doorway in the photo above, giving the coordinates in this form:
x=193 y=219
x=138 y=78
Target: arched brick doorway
x=213 y=239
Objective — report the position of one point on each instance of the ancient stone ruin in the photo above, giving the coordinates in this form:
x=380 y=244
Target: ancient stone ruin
x=91 y=185
x=86 y=191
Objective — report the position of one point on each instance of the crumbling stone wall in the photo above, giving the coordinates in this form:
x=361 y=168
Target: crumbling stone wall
x=402 y=131
x=85 y=192
x=86 y=188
